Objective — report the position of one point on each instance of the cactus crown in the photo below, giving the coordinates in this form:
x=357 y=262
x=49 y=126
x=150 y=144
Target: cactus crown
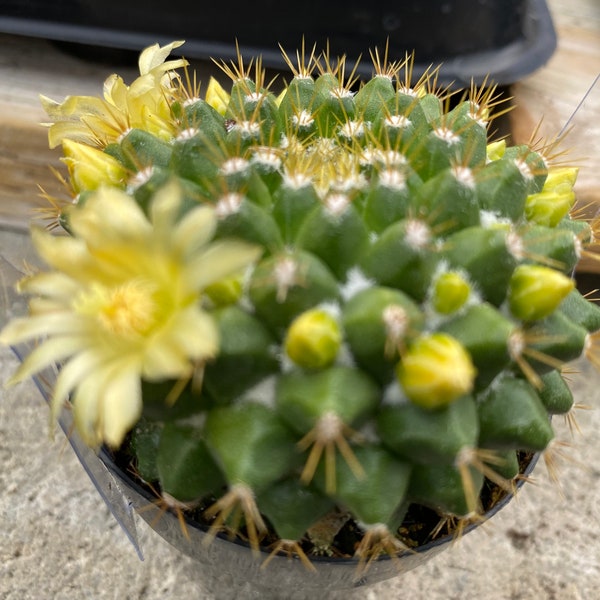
x=323 y=300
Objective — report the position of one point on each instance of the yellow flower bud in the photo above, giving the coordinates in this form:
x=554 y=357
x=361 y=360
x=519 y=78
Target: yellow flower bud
x=535 y=291
x=435 y=371
x=216 y=96
x=313 y=339
x=450 y=292
x=549 y=206
x=225 y=291
x=495 y=150
x=280 y=98
x=89 y=167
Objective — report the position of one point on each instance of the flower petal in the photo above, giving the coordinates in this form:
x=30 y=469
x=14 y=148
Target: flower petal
x=120 y=404
x=155 y=55
x=220 y=260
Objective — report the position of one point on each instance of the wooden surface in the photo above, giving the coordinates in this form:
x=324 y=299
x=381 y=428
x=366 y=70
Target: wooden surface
x=29 y=67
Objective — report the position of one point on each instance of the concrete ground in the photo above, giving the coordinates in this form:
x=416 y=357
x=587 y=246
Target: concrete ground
x=58 y=540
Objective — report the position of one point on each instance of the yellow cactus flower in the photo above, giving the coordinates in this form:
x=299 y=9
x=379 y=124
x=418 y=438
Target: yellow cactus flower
x=556 y=199
x=144 y=104
x=435 y=371
x=123 y=303
x=535 y=291
x=313 y=339
x=216 y=96
x=89 y=168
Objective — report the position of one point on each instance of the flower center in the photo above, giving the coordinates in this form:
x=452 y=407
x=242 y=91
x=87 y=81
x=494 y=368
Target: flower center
x=127 y=310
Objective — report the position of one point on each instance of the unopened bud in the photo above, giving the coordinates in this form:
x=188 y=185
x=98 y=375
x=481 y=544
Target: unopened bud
x=536 y=291
x=450 y=292
x=435 y=371
x=313 y=339
x=556 y=199
x=225 y=292
x=495 y=150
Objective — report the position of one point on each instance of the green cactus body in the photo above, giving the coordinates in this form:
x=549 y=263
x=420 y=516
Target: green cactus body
x=375 y=498
x=251 y=444
x=485 y=333
x=557 y=337
x=486 y=255
x=378 y=322
x=246 y=348
x=336 y=233
x=390 y=200
x=558 y=245
x=429 y=437
x=512 y=416
x=398 y=298
x=555 y=393
x=304 y=398
x=186 y=468
x=448 y=200
x=441 y=487
x=142 y=149
x=502 y=189
x=145 y=438
x=293 y=508
x=581 y=311
x=505 y=463
x=287 y=284
x=402 y=258
x=245 y=220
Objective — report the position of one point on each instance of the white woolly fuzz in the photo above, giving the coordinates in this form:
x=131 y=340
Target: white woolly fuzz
x=447 y=135
x=229 y=204
x=190 y=101
x=356 y=281
x=392 y=179
x=247 y=128
x=524 y=168
x=140 y=178
x=333 y=309
x=391 y=158
x=397 y=122
x=262 y=393
x=336 y=204
x=296 y=181
x=123 y=135
x=464 y=176
x=418 y=234
x=489 y=219
x=393 y=395
x=352 y=129
x=234 y=165
x=187 y=134
x=266 y=156
x=254 y=97
x=345 y=358
x=515 y=245
x=303 y=120
x=341 y=92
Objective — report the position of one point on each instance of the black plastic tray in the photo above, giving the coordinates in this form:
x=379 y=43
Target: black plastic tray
x=506 y=39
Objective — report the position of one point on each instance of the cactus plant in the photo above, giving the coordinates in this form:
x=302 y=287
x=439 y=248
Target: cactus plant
x=341 y=297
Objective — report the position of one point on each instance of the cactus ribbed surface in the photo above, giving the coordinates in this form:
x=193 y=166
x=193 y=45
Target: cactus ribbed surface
x=397 y=331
